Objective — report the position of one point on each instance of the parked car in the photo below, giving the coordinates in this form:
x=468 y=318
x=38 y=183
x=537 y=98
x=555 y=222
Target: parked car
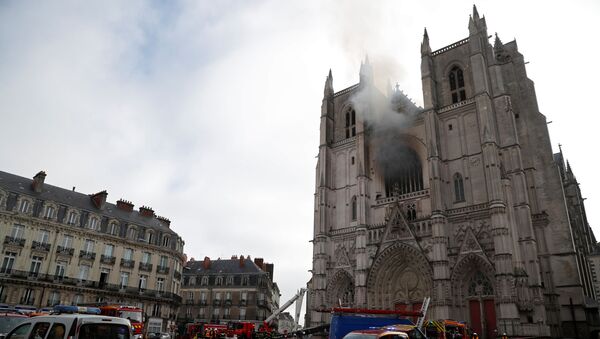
x=158 y=335
x=75 y=326
x=9 y=319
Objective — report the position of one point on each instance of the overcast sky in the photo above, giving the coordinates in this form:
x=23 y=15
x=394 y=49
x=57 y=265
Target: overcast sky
x=208 y=111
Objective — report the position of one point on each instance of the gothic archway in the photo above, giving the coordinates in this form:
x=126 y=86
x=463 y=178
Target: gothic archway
x=400 y=278
x=340 y=289
x=473 y=293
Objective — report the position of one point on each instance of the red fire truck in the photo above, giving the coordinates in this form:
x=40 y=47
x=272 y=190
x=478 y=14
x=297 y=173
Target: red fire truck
x=134 y=314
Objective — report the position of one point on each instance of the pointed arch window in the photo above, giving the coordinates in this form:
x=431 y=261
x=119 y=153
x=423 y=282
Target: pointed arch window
x=459 y=189
x=457 y=85
x=354 y=211
x=350 y=123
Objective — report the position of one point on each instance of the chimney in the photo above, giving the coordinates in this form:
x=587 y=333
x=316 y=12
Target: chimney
x=233 y=257
x=99 y=199
x=146 y=211
x=164 y=221
x=259 y=262
x=125 y=205
x=270 y=270
x=206 y=263
x=38 y=182
x=242 y=261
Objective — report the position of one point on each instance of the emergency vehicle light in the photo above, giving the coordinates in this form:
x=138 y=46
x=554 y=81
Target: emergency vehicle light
x=76 y=309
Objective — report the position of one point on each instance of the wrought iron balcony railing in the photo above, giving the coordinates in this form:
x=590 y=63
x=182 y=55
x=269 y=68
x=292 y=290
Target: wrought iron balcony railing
x=40 y=246
x=8 y=240
x=127 y=263
x=87 y=255
x=162 y=269
x=145 y=267
x=109 y=260
x=64 y=250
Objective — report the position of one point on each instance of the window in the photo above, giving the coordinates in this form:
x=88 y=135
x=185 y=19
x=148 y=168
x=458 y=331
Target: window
x=84 y=272
x=128 y=254
x=353 y=208
x=109 y=250
x=72 y=218
x=457 y=85
x=8 y=262
x=164 y=261
x=67 y=241
x=20 y=332
x=350 y=123
x=44 y=236
x=77 y=299
x=165 y=241
x=201 y=312
x=449 y=127
x=61 y=267
x=228 y=296
x=131 y=233
x=88 y=246
x=54 y=298
x=205 y=280
x=17 y=231
x=36 y=263
x=459 y=190
x=124 y=280
x=402 y=177
x=49 y=212
x=218 y=296
x=113 y=229
x=190 y=296
x=219 y=281
x=245 y=280
x=93 y=223
x=28 y=296
x=160 y=284
x=242 y=313
x=146 y=257
x=24 y=207
x=229 y=280
x=143 y=282
x=203 y=296
x=226 y=313
x=244 y=296
x=57 y=331
x=156 y=310
x=216 y=312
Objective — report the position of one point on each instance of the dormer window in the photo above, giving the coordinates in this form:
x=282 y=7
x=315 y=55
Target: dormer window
x=24 y=207
x=93 y=224
x=49 y=212
x=350 y=123
x=72 y=218
x=457 y=85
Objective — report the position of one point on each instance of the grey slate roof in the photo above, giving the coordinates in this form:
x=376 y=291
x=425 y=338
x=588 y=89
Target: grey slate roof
x=61 y=196
x=222 y=266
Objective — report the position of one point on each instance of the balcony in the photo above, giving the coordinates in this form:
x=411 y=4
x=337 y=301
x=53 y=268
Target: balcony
x=127 y=263
x=227 y=302
x=243 y=302
x=87 y=255
x=109 y=260
x=12 y=241
x=189 y=302
x=145 y=267
x=162 y=269
x=216 y=302
x=61 y=250
x=261 y=302
x=177 y=275
x=40 y=246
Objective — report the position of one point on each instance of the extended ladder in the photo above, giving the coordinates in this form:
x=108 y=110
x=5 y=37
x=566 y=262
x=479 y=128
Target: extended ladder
x=424 y=307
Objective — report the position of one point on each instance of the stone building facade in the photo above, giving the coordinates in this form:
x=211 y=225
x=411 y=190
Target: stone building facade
x=60 y=246
x=223 y=290
x=461 y=200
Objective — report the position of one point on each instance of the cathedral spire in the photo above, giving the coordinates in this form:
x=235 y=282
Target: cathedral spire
x=328 y=91
x=366 y=71
x=497 y=43
x=425 y=49
x=475 y=13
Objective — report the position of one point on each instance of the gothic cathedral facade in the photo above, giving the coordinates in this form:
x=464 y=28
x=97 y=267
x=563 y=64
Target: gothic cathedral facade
x=461 y=200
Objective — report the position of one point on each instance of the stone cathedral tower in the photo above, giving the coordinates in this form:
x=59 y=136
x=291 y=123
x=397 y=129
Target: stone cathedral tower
x=461 y=200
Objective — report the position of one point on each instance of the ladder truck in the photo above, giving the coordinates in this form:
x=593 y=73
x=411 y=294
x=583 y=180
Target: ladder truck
x=298 y=298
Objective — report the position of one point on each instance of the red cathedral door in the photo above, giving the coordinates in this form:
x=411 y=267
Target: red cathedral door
x=475 y=312
x=489 y=308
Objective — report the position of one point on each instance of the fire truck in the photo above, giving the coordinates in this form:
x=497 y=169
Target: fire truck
x=134 y=314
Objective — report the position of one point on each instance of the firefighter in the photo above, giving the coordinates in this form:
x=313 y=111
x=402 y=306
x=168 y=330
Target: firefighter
x=504 y=336
x=474 y=336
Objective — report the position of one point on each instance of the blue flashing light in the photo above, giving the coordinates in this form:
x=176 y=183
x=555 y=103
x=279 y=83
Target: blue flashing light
x=76 y=309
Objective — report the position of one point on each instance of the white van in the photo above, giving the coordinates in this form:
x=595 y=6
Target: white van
x=72 y=326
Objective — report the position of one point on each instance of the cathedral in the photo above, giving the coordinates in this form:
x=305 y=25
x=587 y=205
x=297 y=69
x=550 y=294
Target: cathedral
x=461 y=200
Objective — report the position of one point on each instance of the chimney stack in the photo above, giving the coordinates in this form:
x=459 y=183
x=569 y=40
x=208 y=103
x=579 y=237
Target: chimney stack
x=206 y=263
x=125 y=205
x=164 y=221
x=99 y=199
x=38 y=182
x=260 y=263
x=146 y=211
x=242 y=261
